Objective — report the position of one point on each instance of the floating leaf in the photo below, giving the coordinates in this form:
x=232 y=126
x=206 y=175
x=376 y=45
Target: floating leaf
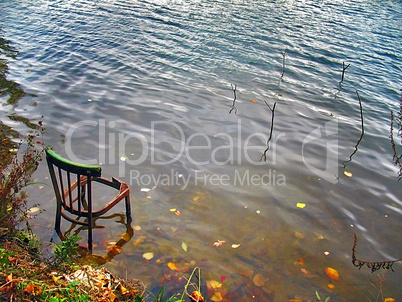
x=222 y=278
x=173 y=266
x=178 y=213
x=213 y=284
x=137 y=228
x=389 y=300
x=331 y=286
x=254 y=101
x=235 y=246
x=126 y=237
x=33 y=210
x=173 y=210
x=300 y=261
x=348 y=174
x=332 y=273
x=300 y=205
x=259 y=280
x=145 y=190
x=298 y=235
x=184 y=246
x=148 y=255
x=219 y=242
x=217 y=297
x=326 y=253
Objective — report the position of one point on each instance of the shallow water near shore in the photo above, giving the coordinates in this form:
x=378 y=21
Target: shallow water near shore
x=146 y=88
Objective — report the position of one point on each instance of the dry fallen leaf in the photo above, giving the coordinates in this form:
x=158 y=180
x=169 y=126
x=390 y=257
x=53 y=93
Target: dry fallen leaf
x=196 y=296
x=332 y=273
x=32 y=289
x=184 y=246
x=259 y=280
x=217 y=297
x=213 y=284
x=219 y=242
x=126 y=237
x=348 y=174
x=173 y=266
x=298 y=235
x=148 y=255
x=300 y=261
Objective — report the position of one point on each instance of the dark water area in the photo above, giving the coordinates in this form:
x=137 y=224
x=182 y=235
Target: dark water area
x=145 y=88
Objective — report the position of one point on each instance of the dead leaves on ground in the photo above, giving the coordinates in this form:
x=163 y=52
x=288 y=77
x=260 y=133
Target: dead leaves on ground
x=100 y=283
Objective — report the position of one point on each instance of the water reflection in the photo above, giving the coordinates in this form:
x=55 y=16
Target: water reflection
x=114 y=245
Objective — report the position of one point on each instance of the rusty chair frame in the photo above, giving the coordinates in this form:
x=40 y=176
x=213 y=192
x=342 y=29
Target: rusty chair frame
x=74 y=194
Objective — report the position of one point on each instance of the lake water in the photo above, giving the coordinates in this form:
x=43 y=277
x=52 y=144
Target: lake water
x=146 y=88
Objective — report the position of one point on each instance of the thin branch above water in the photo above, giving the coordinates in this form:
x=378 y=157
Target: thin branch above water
x=343 y=72
x=361 y=133
x=374 y=266
x=234 y=99
x=264 y=155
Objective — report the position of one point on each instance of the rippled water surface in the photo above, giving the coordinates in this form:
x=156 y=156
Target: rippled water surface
x=146 y=87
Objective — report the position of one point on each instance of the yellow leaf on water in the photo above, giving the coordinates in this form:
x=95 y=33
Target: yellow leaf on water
x=184 y=246
x=332 y=273
x=348 y=174
x=389 y=300
x=148 y=256
x=217 y=297
x=259 y=280
x=173 y=266
x=331 y=286
x=126 y=237
x=33 y=210
x=213 y=284
x=298 y=235
x=173 y=210
x=301 y=205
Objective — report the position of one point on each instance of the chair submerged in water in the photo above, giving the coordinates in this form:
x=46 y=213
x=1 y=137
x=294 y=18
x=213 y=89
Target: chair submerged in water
x=72 y=183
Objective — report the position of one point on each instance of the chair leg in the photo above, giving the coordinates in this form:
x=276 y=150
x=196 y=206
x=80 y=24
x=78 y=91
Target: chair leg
x=128 y=206
x=90 y=234
x=58 y=218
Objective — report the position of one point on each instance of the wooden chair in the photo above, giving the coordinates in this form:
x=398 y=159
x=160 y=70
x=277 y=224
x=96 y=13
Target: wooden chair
x=72 y=183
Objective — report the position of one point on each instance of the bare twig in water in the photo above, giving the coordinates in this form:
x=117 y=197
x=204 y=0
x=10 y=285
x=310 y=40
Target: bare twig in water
x=361 y=134
x=374 y=266
x=343 y=72
x=283 y=63
x=264 y=155
x=397 y=158
x=234 y=99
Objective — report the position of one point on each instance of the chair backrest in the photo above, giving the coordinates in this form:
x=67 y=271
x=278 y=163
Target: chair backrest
x=71 y=188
